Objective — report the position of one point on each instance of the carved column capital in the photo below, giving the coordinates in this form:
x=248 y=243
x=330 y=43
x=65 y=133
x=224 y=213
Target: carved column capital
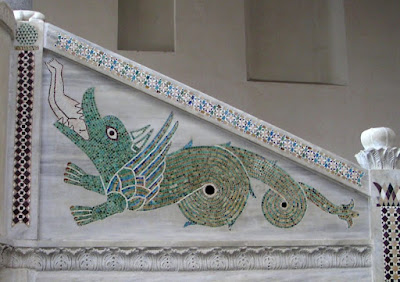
x=379 y=151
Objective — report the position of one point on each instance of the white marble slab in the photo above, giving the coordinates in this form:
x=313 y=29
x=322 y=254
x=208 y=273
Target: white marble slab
x=165 y=225
x=311 y=275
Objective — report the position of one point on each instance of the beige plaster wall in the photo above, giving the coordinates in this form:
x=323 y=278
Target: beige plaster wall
x=210 y=55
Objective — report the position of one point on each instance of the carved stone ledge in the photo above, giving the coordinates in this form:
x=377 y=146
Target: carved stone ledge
x=384 y=158
x=185 y=259
x=24 y=15
x=7 y=18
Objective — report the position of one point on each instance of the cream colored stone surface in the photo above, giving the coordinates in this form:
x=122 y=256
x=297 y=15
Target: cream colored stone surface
x=136 y=109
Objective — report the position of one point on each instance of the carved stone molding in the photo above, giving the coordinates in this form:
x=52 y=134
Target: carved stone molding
x=184 y=259
x=25 y=15
x=383 y=158
x=7 y=18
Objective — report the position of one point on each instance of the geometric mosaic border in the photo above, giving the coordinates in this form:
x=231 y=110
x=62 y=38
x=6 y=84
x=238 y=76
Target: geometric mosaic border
x=137 y=76
x=26 y=34
x=184 y=259
x=391 y=242
x=23 y=138
x=388 y=195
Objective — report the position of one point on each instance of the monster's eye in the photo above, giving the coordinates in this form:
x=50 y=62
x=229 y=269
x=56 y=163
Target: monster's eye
x=112 y=133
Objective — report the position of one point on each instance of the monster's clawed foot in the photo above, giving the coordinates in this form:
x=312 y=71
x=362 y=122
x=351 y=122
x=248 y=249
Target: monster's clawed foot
x=82 y=215
x=74 y=174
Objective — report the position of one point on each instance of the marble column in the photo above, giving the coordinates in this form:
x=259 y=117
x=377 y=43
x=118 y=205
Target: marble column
x=381 y=158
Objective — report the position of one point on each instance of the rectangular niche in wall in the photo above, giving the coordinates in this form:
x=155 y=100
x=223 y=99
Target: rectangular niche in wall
x=146 y=25
x=296 y=41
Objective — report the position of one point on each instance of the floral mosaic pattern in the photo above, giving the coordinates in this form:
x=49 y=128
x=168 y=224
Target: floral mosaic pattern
x=256 y=129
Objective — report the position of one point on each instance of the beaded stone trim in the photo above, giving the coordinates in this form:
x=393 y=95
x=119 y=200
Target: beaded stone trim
x=388 y=200
x=259 y=130
x=23 y=138
x=391 y=242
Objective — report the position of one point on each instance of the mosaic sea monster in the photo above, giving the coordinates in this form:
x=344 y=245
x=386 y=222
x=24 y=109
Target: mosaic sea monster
x=210 y=184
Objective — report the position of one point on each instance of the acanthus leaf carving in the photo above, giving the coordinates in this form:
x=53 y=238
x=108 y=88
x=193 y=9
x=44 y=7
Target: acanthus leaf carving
x=184 y=259
x=383 y=158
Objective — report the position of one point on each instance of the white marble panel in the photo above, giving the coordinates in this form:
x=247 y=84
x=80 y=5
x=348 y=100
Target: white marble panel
x=165 y=226
x=311 y=275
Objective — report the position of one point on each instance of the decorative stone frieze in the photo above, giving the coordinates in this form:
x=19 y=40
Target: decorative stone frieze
x=185 y=259
x=379 y=151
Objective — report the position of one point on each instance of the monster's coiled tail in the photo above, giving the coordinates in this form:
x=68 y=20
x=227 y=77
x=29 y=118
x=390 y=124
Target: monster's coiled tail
x=209 y=183
x=344 y=212
x=285 y=203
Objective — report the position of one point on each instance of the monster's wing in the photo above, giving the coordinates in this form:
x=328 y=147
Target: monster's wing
x=149 y=164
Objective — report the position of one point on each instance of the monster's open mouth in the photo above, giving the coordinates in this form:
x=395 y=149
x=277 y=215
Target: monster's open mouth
x=81 y=115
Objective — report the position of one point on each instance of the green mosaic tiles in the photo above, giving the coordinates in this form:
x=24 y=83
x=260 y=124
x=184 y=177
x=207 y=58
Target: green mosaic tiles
x=26 y=34
x=210 y=184
x=193 y=101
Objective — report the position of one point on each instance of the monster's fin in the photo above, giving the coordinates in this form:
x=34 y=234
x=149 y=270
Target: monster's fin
x=188 y=223
x=139 y=132
x=231 y=224
x=150 y=162
x=189 y=144
x=252 y=192
x=272 y=162
x=226 y=144
x=138 y=145
x=153 y=144
x=154 y=149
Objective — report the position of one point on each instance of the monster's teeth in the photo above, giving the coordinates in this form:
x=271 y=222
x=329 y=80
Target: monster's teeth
x=61 y=120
